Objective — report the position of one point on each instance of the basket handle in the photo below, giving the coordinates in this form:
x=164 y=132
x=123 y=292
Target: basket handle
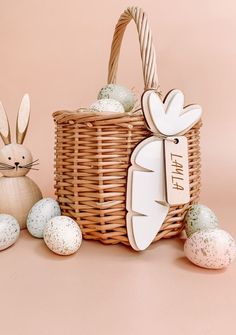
x=147 y=49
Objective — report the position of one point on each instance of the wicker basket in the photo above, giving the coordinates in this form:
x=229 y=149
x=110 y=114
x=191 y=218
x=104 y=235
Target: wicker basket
x=93 y=154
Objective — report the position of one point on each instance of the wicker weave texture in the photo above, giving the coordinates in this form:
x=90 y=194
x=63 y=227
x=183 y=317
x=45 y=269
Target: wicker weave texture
x=92 y=158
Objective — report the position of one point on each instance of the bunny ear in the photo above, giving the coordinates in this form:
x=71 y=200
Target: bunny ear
x=174 y=103
x=23 y=119
x=169 y=118
x=191 y=115
x=152 y=112
x=4 y=126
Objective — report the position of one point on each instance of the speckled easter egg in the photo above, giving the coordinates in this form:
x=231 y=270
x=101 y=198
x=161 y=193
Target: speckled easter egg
x=9 y=231
x=62 y=235
x=118 y=93
x=40 y=214
x=199 y=217
x=211 y=248
x=107 y=105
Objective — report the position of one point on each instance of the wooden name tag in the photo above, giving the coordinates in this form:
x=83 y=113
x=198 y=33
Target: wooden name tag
x=177 y=170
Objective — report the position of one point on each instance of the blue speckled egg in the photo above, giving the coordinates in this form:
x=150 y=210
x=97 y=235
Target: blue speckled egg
x=40 y=214
x=9 y=231
x=118 y=93
x=199 y=217
x=211 y=248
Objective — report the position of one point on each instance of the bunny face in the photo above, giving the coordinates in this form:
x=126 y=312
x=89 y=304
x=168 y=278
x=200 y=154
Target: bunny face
x=15 y=160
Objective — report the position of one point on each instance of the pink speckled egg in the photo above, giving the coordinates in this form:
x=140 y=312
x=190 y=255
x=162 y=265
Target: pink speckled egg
x=211 y=249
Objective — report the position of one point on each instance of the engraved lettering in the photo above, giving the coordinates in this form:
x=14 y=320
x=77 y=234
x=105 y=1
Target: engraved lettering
x=177 y=171
x=178 y=187
x=173 y=178
x=175 y=155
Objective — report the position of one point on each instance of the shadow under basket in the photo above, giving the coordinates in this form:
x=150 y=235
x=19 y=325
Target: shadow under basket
x=92 y=159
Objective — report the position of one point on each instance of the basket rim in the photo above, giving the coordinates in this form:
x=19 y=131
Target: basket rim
x=85 y=113
x=92 y=117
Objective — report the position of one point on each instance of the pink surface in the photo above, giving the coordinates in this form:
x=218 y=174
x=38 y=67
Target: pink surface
x=57 y=51
x=114 y=290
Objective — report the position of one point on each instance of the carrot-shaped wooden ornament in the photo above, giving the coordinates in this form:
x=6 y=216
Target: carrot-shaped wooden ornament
x=153 y=178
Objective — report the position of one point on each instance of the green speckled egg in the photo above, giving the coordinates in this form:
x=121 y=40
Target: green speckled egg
x=199 y=217
x=118 y=93
x=44 y=210
x=107 y=105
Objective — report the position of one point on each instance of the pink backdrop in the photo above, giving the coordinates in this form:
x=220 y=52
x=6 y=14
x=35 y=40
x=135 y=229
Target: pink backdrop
x=57 y=51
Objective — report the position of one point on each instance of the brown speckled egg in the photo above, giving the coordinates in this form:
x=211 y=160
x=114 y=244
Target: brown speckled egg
x=9 y=231
x=212 y=249
x=62 y=235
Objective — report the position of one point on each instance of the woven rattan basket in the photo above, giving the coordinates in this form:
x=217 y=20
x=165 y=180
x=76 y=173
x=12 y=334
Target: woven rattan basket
x=93 y=154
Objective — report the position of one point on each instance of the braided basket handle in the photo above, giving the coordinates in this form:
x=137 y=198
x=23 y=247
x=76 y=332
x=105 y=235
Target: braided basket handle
x=147 y=49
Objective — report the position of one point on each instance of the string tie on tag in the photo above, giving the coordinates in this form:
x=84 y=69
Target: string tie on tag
x=163 y=137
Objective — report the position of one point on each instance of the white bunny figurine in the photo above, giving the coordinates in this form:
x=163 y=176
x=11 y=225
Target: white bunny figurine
x=18 y=193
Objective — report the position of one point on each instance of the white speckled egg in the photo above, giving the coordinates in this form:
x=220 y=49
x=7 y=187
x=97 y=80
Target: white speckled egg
x=62 y=235
x=212 y=248
x=40 y=214
x=9 y=231
x=119 y=93
x=107 y=105
x=199 y=217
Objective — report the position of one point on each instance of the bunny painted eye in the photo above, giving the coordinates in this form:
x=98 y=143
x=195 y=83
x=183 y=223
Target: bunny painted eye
x=23 y=157
x=9 y=158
